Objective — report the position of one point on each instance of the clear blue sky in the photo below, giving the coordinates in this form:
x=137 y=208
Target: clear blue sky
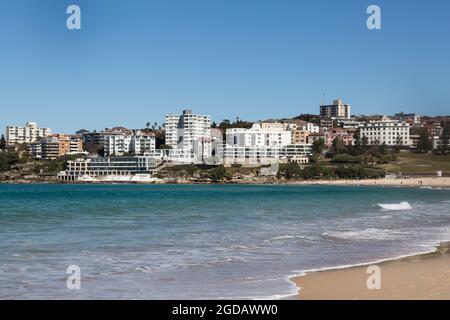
x=134 y=61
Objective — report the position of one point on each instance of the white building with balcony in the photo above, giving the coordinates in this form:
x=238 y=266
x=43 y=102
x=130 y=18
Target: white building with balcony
x=189 y=135
x=257 y=137
x=261 y=146
x=28 y=134
x=386 y=131
x=183 y=130
x=118 y=144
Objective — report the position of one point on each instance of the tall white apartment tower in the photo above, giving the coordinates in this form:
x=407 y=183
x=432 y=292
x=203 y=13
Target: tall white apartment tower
x=28 y=134
x=182 y=132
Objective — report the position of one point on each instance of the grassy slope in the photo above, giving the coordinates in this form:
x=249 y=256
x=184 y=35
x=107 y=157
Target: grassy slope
x=419 y=163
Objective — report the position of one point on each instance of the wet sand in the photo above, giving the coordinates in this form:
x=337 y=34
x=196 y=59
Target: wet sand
x=420 y=277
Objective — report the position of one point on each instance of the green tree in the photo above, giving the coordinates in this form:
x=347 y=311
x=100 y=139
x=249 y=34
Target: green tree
x=219 y=173
x=424 y=144
x=318 y=147
x=338 y=146
x=92 y=148
x=2 y=143
x=399 y=141
x=364 y=143
x=8 y=159
x=357 y=138
x=290 y=170
x=445 y=139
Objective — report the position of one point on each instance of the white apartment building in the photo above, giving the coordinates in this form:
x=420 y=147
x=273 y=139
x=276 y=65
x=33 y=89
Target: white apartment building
x=257 y=137
x=336 y=110
x=190 y=135
x=28 y=134
x=118 y=144
x=263 y=155
x=259 y=146
x=390 y=132
x=182 y=131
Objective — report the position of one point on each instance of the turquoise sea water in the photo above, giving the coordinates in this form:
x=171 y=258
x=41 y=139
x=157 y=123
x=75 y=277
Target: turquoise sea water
x=202 y=241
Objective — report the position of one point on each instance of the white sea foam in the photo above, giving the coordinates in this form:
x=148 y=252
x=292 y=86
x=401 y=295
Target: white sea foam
x=144 y=269
x=287 y=237
x=363 y=264
x=395 y=206
x=365 y=234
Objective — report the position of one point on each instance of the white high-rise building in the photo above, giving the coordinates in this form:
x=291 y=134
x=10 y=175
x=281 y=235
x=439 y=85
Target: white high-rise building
x=190 y=135
x=182 y=131
x=387 y=131
x=28 y=134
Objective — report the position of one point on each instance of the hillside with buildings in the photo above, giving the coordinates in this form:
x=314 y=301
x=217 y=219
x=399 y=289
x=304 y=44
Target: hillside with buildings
x=192 y=148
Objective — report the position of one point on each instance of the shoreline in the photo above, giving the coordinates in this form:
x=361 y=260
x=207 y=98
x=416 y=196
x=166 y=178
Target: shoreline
x=430 y=182
x=417 y=276
x=425 y=182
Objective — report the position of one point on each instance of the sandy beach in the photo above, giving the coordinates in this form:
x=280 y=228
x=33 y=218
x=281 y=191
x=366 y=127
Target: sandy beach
x=433 y=182
x=420 y=277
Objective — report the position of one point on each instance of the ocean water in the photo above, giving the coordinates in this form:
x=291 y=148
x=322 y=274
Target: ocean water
x=202 y=241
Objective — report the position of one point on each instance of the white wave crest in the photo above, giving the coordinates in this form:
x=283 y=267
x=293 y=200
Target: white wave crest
x=287 y=238
x=395 y=206
x=365 y=234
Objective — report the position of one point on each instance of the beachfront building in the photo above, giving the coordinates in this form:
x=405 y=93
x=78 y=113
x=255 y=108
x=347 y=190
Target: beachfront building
x=387 y=131
x=55 y=146
x=182 y=131
x=119 y=144
x=264 y=155
x=101 y=167
x=31 y=132
x=190 y=135
x=251 y=156
x=258 y=137
x=335 y=110
x=260 y=146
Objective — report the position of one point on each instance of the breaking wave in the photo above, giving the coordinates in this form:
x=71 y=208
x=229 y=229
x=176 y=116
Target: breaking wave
x=287 y=238
x=365 y=234
x=395 y=206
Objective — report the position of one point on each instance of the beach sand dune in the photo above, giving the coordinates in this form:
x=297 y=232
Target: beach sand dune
x=421 y=277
